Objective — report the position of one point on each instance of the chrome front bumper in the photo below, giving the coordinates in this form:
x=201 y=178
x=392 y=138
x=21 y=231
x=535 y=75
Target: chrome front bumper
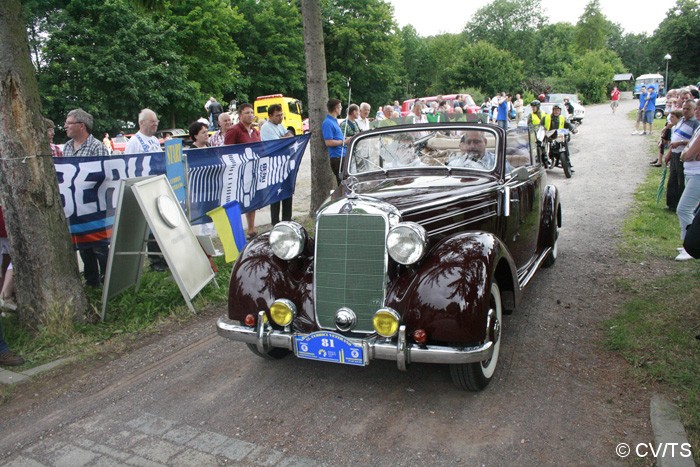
x=377 y=348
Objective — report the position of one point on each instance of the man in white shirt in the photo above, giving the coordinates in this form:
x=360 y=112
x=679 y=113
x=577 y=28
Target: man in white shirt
x=363 y=120
x=144 y=140
x=274 y=129
x=270 y=131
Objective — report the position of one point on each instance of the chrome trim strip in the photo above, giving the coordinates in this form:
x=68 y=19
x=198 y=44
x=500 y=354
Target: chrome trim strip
x=506 y=201
x=445 y=202
x=527 y=277
x=260 y=333
x=446 y=215
x=463 y=223
x=376 y=348
x=402 y=355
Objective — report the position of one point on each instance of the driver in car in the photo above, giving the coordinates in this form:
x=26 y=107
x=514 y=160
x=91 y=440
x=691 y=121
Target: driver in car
x=474 y=154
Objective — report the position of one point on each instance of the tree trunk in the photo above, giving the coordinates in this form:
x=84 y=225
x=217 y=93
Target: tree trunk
x=45 y=264
x=322 y=180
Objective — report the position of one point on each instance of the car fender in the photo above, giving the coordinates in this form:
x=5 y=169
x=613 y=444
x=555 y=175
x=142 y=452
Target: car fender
x=259 y=277
x=550 y=219
x=447 y=294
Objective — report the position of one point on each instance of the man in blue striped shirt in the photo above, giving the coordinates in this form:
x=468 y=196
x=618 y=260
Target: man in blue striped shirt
x=682 y=133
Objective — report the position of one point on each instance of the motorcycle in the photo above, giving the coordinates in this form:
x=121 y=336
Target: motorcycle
x=556 y=150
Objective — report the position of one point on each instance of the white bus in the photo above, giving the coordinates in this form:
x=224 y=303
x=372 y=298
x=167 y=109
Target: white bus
x=646 y=80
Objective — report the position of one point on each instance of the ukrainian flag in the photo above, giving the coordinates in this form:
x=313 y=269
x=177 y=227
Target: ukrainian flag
x=227 y=220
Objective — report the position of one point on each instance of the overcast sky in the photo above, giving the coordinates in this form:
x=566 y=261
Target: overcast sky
x=431 y=17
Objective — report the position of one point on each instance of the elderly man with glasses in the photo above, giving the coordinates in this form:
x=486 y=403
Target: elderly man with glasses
x=81 y=143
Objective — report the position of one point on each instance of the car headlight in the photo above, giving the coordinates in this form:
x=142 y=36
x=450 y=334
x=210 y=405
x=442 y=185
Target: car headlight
x=407 y=242
x=287 y=240
x=282 y=311
x=386 y=322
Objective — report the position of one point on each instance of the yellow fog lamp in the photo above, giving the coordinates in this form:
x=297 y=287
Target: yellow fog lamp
x=282 y=312
x=386 y=322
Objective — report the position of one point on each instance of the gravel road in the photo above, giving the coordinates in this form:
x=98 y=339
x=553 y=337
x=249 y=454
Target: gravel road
x=185 y=396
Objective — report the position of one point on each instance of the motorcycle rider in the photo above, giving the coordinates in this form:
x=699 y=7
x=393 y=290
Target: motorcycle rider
x=536 y=116
x=534 y=120
x=556 y=121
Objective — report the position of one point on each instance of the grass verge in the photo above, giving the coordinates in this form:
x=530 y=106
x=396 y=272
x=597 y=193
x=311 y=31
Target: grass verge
x=656 y=329
x=157 y=301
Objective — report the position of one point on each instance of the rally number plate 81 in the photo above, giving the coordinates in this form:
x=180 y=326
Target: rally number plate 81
x=328 y=346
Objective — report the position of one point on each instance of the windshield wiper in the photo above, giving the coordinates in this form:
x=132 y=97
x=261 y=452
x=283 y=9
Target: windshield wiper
x=376 y=165
x=439 y=163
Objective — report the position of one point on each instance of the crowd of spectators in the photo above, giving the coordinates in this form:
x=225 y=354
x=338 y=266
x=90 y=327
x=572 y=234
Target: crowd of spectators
x=679 y=152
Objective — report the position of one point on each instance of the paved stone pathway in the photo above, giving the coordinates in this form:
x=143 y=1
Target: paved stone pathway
x=148 y=440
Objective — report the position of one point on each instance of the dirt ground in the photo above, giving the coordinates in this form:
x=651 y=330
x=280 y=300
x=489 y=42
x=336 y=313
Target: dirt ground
x=558 y=396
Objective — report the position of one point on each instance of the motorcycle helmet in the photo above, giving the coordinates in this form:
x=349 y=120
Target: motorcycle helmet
x=556 y=106
x=535 y=103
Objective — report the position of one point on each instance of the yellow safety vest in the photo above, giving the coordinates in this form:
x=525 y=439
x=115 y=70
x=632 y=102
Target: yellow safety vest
x=535 y=119
x=548 y=121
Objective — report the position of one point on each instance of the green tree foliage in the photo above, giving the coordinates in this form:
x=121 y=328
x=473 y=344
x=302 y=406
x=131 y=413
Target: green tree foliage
x=590 y=29
x=111 y=61
x=361 y=43
x=590 y=74
x=273 y=49
x=678 y=35
x=555 y=48
x=442 y=53
x=204 y=32
x=485 y=66
x=36 y=14
x=414 y=54
x=634 y=51
x=510 y=25
x=113 y=58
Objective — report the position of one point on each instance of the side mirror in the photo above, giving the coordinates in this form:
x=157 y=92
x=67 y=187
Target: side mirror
x=519 y=174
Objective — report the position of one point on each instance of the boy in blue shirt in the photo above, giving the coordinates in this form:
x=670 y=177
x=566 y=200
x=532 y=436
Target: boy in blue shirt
x=649 y=109
x=640 y=110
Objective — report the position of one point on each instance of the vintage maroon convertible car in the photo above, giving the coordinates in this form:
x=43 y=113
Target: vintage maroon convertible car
x=429 y=240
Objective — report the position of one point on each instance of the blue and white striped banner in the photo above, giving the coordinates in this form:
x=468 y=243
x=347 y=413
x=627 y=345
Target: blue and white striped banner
x=255 y=174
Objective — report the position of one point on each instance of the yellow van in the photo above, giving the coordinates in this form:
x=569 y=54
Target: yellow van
x=290 y=106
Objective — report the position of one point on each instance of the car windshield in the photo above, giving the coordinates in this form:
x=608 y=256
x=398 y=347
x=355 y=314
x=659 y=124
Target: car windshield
x=545 y=108
x=468 y=99
x=424 y=148
x=573 y=98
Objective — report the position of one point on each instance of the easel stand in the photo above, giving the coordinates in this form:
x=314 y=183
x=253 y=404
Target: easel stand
x=148 y=204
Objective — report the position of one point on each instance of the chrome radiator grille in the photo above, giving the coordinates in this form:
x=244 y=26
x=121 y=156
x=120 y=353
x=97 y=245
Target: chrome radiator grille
x=350 y=268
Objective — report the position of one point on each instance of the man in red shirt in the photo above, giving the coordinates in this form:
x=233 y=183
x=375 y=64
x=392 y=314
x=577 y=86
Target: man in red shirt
x=614 y=99
x=244 y=132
